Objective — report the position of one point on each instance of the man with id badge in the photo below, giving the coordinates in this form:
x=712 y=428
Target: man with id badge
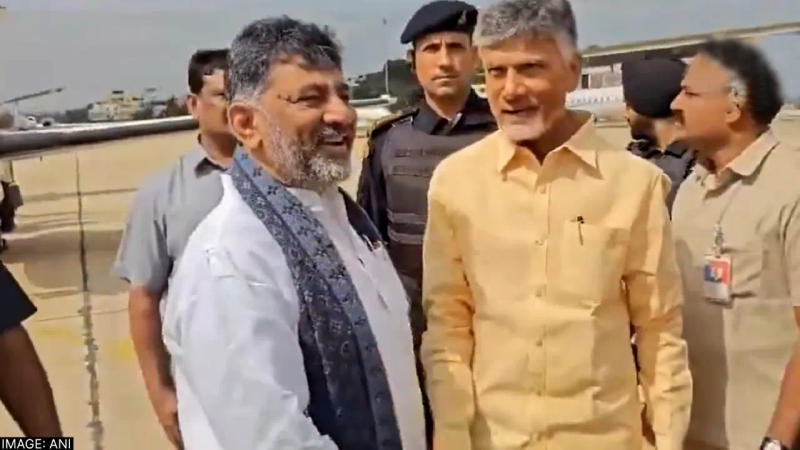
x=717 y=272
x=737 y=230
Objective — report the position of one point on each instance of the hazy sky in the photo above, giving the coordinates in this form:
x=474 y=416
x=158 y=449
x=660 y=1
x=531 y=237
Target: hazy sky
x=93 y=46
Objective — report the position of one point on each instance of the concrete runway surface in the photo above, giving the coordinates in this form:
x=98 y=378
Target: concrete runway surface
x=75 y=208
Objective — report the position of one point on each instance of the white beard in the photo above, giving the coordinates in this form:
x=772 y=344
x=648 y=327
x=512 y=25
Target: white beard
x=530 y=131
x=305 y=166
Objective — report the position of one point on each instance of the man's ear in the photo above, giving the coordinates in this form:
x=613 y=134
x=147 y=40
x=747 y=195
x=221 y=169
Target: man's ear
x=734 y=112
x=191 y=104
x=735 y=107
x=629 y=113
x=410 y=59
x=242 y=121
x=574 y=65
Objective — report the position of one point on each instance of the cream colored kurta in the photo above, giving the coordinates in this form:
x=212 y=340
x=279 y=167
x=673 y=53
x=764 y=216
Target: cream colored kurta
x=533 y=274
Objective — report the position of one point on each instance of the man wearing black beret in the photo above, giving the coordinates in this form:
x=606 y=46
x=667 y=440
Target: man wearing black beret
x=404 y=149
x=649 y=86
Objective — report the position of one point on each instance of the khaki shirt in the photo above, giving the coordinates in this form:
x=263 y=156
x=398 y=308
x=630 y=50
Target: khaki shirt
x=529 y=310
x=738 y=354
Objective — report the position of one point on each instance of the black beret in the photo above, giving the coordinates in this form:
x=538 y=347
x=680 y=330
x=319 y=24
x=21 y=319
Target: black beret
x=650 y=85
x=441 y=15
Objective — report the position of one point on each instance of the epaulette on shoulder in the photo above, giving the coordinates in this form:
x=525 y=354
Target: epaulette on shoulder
x=385 y=123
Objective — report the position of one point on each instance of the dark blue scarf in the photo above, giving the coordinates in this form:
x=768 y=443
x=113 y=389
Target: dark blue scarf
x=350 y=399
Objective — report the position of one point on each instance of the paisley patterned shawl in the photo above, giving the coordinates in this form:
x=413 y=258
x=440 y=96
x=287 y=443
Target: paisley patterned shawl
x=350 y=400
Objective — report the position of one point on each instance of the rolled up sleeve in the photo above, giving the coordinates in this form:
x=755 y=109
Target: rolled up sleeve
x=237 y=347
x=655 y=302
x=448 y=343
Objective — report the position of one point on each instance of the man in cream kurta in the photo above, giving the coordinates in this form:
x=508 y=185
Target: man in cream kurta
x=544 y=244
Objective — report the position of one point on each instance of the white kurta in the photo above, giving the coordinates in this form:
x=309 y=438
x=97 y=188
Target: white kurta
x=231 y=326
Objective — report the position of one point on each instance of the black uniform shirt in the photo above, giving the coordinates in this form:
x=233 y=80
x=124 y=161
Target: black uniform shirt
x=677 y=161
x=475 y=116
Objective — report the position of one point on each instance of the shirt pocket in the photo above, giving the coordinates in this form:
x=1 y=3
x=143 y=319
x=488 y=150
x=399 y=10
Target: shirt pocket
x=747 y=260
x=589 y=261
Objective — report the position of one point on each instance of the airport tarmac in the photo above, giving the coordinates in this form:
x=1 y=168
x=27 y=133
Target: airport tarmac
x=68 y=230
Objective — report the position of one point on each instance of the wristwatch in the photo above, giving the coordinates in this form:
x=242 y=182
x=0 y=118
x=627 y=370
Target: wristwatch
x=772 y=444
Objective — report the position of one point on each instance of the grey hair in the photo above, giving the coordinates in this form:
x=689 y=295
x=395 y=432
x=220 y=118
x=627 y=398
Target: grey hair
x=273 y=40
x=753 y=83
x=738 y=88
x=540 y=18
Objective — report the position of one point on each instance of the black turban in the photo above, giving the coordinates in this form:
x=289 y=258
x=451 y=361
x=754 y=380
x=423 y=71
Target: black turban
x=650 y=85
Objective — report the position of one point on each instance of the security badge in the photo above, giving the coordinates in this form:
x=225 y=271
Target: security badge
x=717 y=272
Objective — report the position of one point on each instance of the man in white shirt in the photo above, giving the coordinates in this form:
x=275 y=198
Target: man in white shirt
x=286 y=321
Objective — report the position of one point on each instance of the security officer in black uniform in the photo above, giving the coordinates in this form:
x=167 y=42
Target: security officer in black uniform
x=405 y=148
x=649 y=86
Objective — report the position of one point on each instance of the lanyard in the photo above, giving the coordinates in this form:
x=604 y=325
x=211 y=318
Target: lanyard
x=719 y=237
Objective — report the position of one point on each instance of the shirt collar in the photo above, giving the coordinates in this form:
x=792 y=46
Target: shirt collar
x=583 y=144
x=648 y=150
x=751 y=158
x=475 y=112
x=677 y=149
x=426 y=119
x=205 y=164
x=311 y=199
x=745 y=165
x=643 y=148
x=316 y=201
